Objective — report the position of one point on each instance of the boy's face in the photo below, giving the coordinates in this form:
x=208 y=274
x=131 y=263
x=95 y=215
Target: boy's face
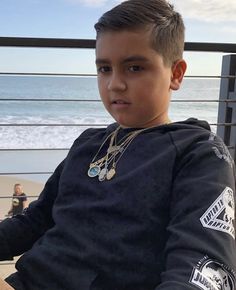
x=134 y=84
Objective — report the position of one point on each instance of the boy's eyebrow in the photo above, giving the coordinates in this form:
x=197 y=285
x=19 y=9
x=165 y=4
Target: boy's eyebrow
x=135 y=58
x=101 y=61
x=126 y=60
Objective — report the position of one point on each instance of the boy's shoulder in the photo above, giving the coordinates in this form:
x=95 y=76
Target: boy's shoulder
x=195 y=136
x=189 y=132
x=192 y=133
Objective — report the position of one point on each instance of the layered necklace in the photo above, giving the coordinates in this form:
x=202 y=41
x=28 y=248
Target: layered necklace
x=105 y=168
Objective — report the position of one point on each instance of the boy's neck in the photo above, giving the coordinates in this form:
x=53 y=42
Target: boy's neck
x=165 y=122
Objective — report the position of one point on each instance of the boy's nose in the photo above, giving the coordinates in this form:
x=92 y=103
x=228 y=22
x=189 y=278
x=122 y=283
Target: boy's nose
x=116 y=83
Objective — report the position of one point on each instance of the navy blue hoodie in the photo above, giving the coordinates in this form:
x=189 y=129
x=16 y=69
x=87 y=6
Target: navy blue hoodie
x=165 y=221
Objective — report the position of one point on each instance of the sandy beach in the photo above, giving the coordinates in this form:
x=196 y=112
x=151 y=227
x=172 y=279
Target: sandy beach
x=31 y=188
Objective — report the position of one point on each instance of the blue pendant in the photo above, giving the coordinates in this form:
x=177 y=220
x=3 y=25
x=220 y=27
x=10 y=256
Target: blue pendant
x=94 y=171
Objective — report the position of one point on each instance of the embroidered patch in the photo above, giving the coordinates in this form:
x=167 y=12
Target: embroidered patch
x=221 y=150
x=211 y=275
x=220 y=215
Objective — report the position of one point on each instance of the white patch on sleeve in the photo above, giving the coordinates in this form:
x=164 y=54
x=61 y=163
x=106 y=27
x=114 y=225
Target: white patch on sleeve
x=221 y=150
x=211 y=275
x=220 y=215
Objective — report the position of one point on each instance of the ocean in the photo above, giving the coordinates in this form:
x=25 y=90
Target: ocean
x=70 y=112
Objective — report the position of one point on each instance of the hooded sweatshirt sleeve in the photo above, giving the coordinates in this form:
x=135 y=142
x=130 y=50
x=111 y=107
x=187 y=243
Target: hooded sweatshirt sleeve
x=18 y=234
x=200 y=251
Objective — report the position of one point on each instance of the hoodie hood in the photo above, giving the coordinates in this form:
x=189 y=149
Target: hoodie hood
x=191 y=123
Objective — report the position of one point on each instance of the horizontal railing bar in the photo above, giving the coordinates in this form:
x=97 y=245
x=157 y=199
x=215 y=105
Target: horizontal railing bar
x=34 y=149
x=94 y=75
x=99 y=101
x=47 y=42
x=49 y=149
x=10 y=196
x=26 y=173
x=81 y=125
x=48 y=100
x=211 y=77
x=51 y=74
x=222 y=124
x=210 y=47
x=50 y=125
x=90 y=43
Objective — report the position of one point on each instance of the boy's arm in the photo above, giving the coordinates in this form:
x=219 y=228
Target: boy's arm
x=19 y=233
x=200 y=251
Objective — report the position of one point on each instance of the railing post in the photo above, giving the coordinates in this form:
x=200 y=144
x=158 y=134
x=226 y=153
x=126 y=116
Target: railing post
x=227 y=110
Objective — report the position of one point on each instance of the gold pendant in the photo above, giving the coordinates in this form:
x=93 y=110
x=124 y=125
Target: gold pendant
x=111 y=173
x=113 y=148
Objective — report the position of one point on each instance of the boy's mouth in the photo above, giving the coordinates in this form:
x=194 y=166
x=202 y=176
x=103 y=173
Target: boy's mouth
x=120 y=102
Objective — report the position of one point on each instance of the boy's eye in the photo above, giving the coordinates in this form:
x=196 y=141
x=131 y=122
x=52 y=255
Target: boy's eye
x=103 y=69
x=135 y=68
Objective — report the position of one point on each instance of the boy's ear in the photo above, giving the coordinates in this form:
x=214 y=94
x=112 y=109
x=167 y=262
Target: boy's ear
x=178 y=71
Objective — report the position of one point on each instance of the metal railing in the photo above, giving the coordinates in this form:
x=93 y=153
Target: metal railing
x=222 y=123
x=90 y=44
x=226 y=102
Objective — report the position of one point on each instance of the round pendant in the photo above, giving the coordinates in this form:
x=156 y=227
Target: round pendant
x=102 y=174
x=111 y=173
x=94 y=171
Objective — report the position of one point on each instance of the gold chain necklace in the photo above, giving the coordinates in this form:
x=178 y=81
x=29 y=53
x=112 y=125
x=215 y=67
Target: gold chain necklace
x=112 y=171
x=100 y=167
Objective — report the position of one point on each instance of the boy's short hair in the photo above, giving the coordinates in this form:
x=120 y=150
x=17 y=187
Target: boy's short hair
x=167 y=27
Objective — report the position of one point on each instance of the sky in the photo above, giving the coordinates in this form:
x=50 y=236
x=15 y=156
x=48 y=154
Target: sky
x=205 y=21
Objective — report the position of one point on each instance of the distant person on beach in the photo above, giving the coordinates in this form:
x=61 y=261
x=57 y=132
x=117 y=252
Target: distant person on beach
x=144 y=204
x=19 y=200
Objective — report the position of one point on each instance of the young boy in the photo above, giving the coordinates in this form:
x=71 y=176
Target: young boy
x=143 y=204
x=19 y=200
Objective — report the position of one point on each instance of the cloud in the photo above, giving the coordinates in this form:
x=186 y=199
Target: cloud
x=208 y=11
x=230 y=30
x=202 y=10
